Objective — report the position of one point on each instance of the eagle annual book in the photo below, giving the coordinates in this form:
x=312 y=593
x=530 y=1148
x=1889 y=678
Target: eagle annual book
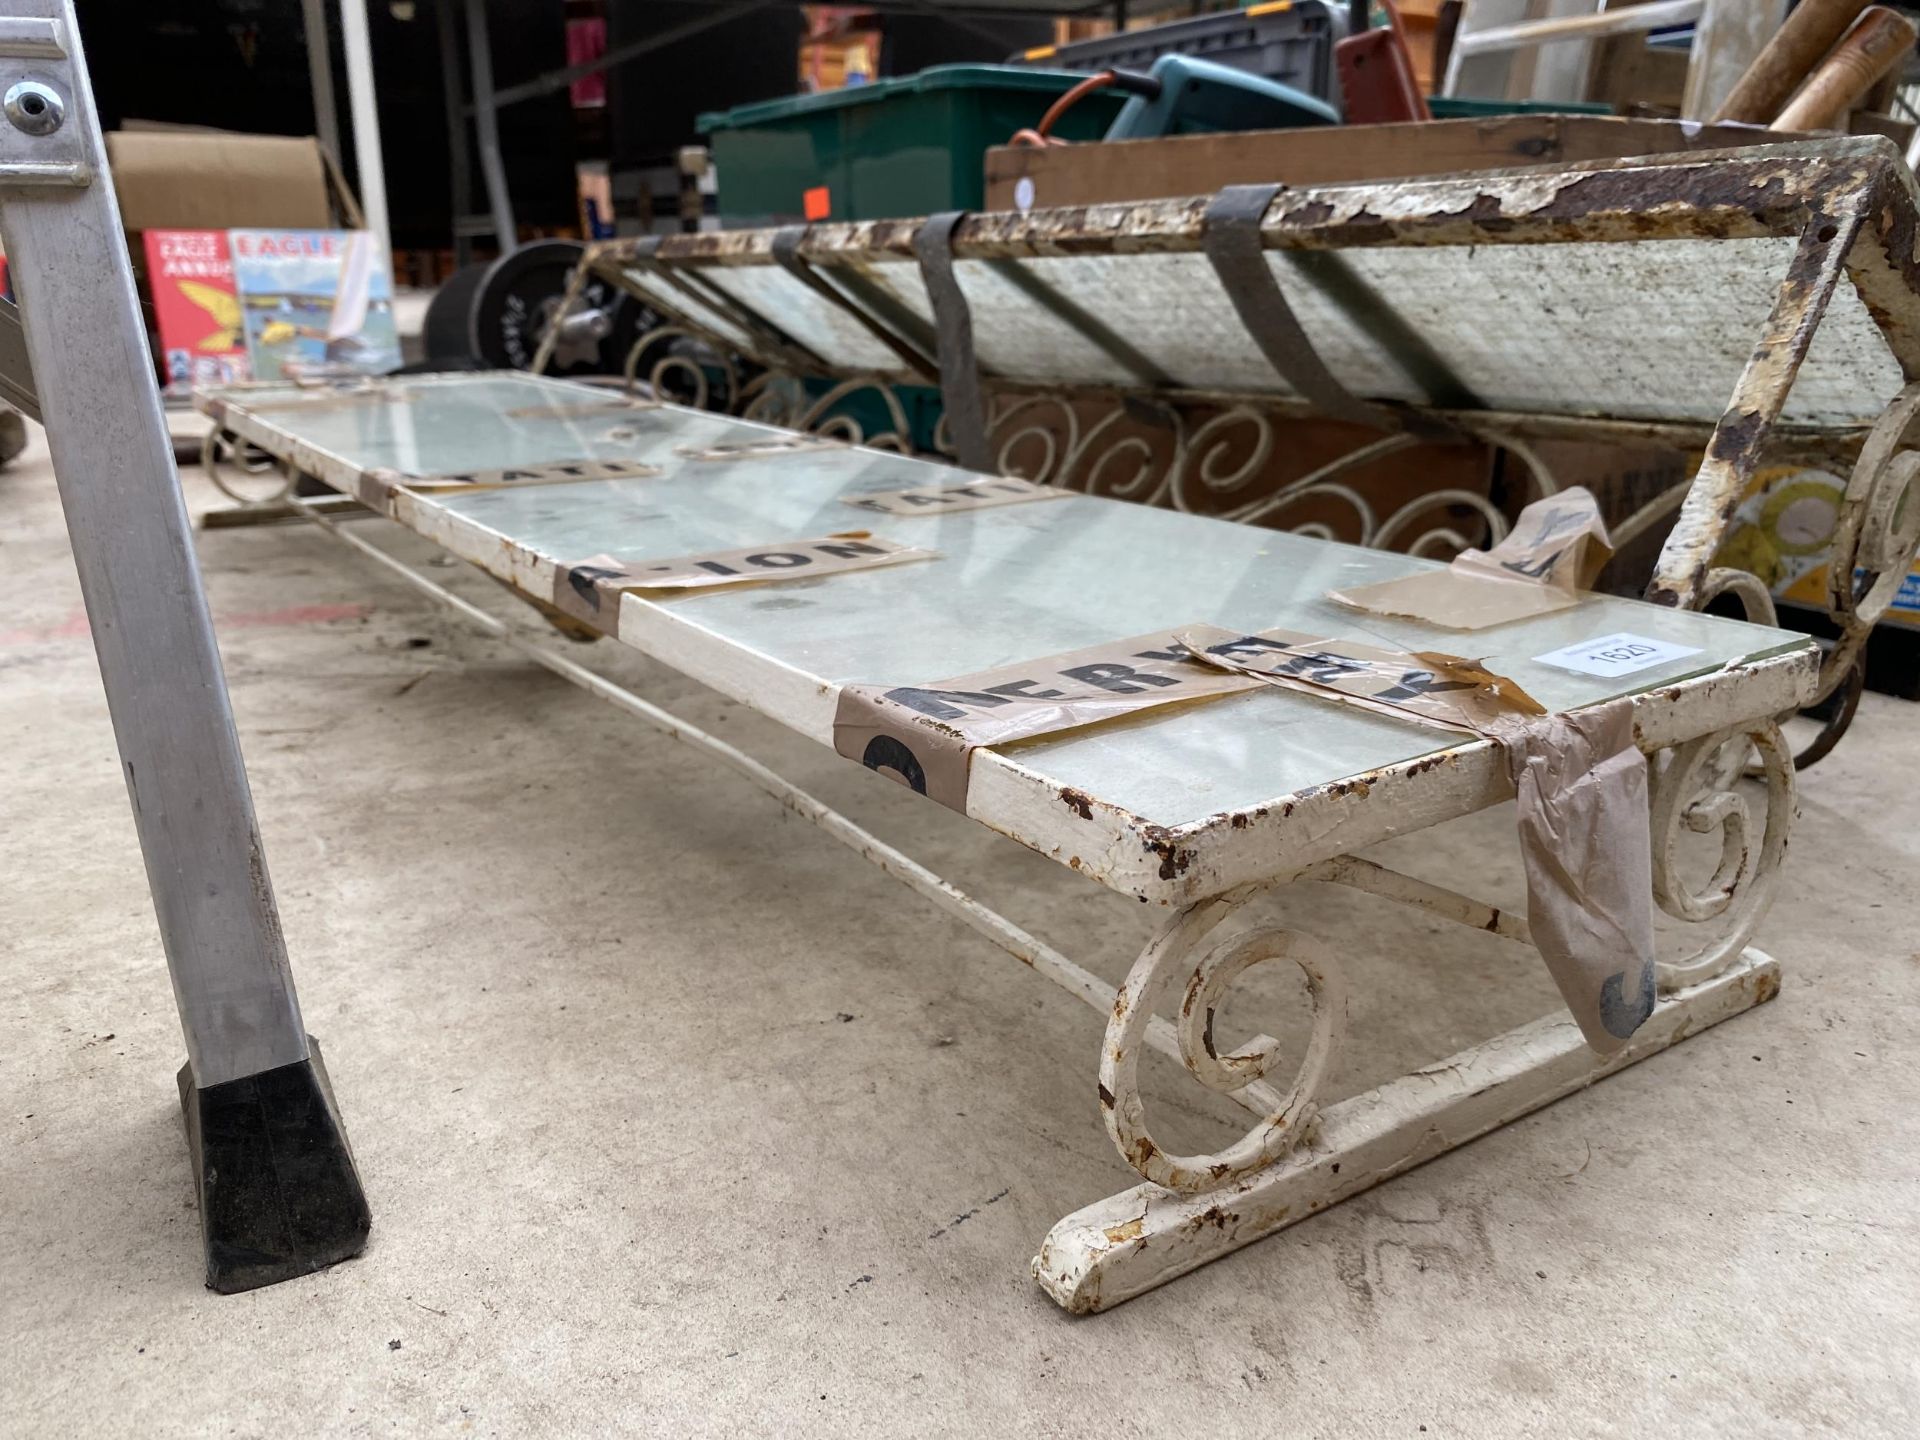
x=195 y=307
x=315 y=303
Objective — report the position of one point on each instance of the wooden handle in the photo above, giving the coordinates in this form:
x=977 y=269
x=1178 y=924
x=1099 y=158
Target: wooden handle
x=1795 y=49
x=1879 y=42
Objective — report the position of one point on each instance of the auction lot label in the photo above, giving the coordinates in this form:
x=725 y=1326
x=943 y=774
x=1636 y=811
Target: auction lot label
x=1612 y=656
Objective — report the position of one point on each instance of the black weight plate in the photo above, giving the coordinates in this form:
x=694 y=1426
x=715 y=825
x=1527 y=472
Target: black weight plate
x=444 y=336
x=517 y=300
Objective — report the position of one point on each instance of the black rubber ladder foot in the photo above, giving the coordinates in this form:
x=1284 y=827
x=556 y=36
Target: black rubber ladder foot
x=278 y=1190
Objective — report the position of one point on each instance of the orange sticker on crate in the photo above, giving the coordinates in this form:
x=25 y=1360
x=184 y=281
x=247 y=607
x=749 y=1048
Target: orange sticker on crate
x=816 y=203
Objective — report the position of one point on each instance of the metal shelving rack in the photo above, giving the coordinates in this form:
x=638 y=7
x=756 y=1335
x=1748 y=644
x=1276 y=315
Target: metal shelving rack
x=483 y=107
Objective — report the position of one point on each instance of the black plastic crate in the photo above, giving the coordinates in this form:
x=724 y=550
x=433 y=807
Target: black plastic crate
x=1290 y=41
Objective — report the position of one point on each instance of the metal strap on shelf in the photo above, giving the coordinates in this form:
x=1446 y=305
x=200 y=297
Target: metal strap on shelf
x=1230 y=236
x=953 y=330
x=1232 y=243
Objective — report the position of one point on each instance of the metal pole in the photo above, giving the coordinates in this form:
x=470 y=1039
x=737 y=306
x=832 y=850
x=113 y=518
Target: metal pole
x=366 y=123
x=93 y=380
x=486 y=124
x=326 y=113
x=453 y=84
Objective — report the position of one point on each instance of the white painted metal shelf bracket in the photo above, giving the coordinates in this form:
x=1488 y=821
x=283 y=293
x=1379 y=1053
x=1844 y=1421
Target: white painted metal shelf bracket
x=1298 y=1158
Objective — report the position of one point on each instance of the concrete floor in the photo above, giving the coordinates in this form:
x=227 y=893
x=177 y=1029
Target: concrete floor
x=676 y=1118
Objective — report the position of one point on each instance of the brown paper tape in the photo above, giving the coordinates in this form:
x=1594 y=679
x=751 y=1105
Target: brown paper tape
x=1556 y=550
x=1585 y=843
x=946 y=499
x=765 y=449
x=1559 y=541
x=547 y=472
x=1443 y=690
x=590 y=589
x=1581 y=789
x=1456 y=599
x=375 y=487
x=925 y=735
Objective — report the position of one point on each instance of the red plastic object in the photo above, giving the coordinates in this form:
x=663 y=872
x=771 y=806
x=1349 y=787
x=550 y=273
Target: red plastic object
x=1376 y=79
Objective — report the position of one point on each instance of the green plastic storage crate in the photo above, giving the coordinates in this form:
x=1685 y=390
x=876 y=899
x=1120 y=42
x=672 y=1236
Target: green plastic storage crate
x=911 y=146
x=1464 y=107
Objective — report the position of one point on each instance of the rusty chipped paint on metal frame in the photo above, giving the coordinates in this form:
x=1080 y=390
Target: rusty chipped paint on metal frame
x=1846 y=207
x=1714 y=195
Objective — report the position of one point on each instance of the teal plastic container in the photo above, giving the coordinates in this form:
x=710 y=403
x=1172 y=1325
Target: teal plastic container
x=1462 y=107
x=915 y=145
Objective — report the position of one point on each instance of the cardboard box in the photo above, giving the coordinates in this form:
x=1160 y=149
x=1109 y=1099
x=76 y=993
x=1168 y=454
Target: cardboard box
x=1088 y=174
x=214 y=180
